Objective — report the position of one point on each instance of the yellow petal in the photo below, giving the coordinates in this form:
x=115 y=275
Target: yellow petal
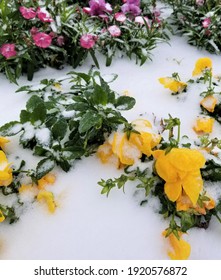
x=128 y=152
x=47 y=197
x=201 y=65
x=3 y=141
x=2 y=217
x=204 y=125
x=185 y=159
x=164 y=169
x=173 y=190
x=180 y=248
x=173 y=84
x=192 y=185
x=209 y=103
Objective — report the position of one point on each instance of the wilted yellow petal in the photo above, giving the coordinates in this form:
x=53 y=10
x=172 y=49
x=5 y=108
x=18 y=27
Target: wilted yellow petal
x=209 y=103
x=180 y=248
x=47 y=197
x=201 y=65
x=192 y=185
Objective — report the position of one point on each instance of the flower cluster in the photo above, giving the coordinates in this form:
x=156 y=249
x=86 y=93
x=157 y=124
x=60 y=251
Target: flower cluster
x=199 y=20
x=175 y=171
x=126 y=147
x=57 y=33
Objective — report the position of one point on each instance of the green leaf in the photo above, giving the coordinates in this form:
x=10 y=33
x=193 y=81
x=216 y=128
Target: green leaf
x=33 y=102
x=24 y=88
x=39 y=113
x=11 y=128
x=89 y=120
x=94 y=58
x=25 y=116
x=125 y=103
x=44 y=167
x=59 y=129
x=99 y=95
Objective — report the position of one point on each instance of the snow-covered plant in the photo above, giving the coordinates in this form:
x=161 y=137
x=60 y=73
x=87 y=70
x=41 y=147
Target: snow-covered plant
x=57 y=32
x=199 y=21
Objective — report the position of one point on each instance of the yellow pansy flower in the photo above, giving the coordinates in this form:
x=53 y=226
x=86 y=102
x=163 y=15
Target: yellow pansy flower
x=204 y=125
x=2 y=217
x=106 y=155
x=3 y=141
x=184 y=204
x=47 y=179
x=209 y=103
x=180 y=169
x=5 y=171
x=47 y=197
x=173 y=84
x=180 y=248
x=201 y=65
x=121 y=150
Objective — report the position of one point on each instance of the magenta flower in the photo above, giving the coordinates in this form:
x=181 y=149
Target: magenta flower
x=131 y=7
x=42 y=40
x=206 y=22
x=114 y=31
x=27 y=13
x=87 y=41
x=8 y=50
x=120 y=17
x=99 y=7
x=43 y=15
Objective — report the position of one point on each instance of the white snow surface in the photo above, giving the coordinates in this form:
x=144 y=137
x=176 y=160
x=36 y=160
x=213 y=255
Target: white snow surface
x=88 y=225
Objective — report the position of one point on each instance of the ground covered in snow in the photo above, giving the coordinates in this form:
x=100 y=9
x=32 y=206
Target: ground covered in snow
x=88 y=225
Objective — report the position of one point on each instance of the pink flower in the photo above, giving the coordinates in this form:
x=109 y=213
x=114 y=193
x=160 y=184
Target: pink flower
x=87 y=41
x=86 y=10
x=200 y=2
x=34 y=30
x=140 y=20
x=43 y=15
x=8 y=50
x=120 y=17
x=60 y=41
x=28 y=13
x=114 y=31
x=42 y=40
x=206 y=22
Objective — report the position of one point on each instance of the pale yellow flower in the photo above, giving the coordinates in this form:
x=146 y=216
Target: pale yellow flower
x=209 y=103
x=180 y=169
x=173 y=84
x=204 y=125
x=201 y=65
x=121 y=150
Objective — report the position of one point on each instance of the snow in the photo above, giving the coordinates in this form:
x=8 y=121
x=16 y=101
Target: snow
x=88 y=225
